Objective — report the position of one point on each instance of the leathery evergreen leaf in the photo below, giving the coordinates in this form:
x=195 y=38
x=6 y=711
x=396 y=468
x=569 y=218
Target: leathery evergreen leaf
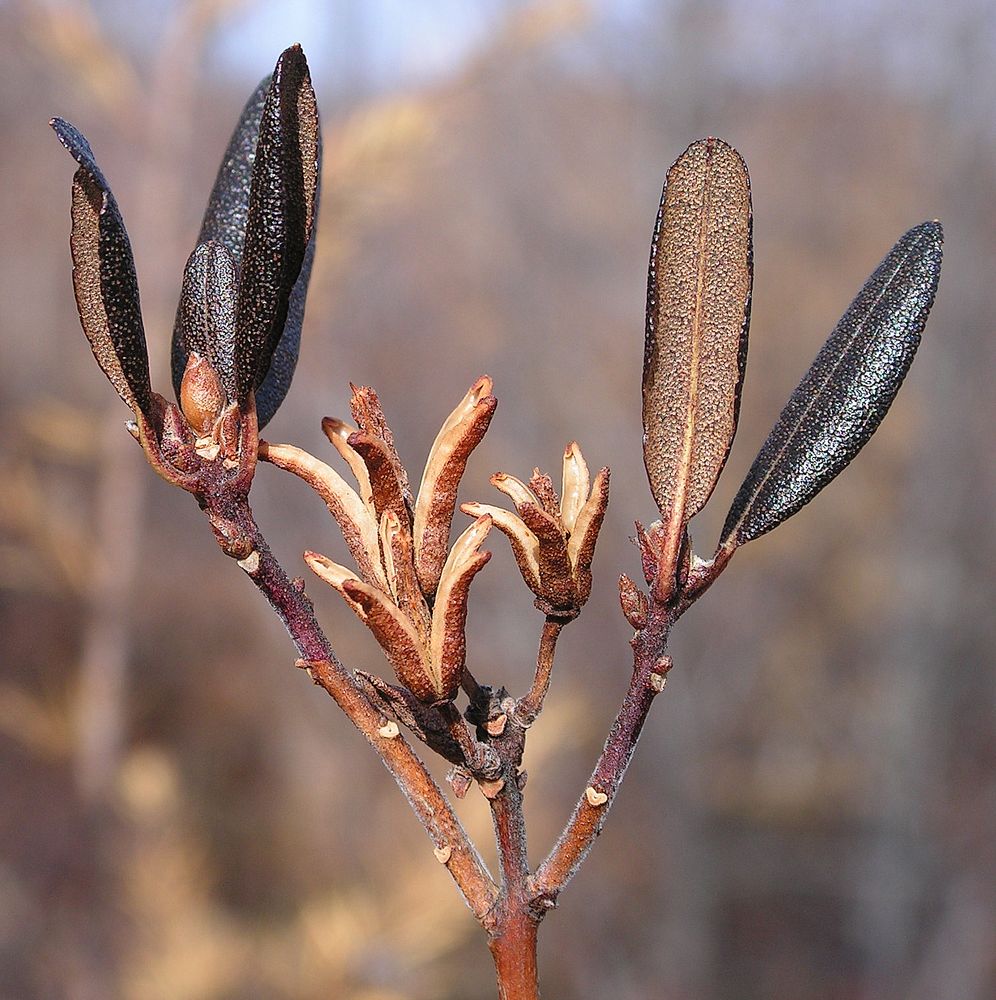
x=226 y=216
x=847 y=391
x=282 y=209
x=698 y=311
x=205 y=317
x=104 y=277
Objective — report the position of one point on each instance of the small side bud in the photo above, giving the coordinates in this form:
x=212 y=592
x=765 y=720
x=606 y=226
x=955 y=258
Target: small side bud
x=496 y=726
x=595 y=798
x=201 y=396
x=635 y=605
x=460 y=780
x=251 y=563
x=491 y=789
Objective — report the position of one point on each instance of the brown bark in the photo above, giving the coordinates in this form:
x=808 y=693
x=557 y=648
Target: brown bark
x=514 y=952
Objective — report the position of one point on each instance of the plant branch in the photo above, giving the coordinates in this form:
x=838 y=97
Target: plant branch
x=512 y=933
x=650 y=667
x=450 y=841
x=529 y=707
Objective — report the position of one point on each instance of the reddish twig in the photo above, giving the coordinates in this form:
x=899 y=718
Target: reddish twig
x=451 y=844
x=650 y=667
x=529 y=707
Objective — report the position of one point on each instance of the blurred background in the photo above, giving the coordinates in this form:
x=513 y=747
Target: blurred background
x=812 y=810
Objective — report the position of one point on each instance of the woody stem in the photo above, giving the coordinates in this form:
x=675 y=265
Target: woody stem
x=234 y=516
x=528 y=708
x=650 y=666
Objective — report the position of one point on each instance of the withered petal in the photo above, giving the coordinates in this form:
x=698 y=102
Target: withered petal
x=396 y=545
x=393 y=632
x=556 y=578
x=542 y=486
x=398 y=638
x=581 y=544
x=515 y=489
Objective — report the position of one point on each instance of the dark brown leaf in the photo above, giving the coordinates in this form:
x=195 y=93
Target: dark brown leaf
x=698 y=310
x=104 y=277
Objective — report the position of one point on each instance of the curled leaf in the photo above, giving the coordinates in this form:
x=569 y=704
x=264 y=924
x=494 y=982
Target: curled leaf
x=698 y=311
x=104 y=277
x=425 y=721
x=847 y=391
x=386 y=488
x=449 y=616
x=460 y=434
x=338 y=432
x=369 y=416
x=576 y=485
x=262 y=209
x=359 y=528
x=525 y=545
x=581 y=544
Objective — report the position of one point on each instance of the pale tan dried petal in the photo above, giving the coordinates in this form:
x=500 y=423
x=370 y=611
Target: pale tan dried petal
x=577 y=485
x=542 y=485
x=460 y=435
x=515 y=489
x=338 y=431
x=396 y=545
x=386 y=487
x=556 y=578
x=359 y=528
x=525 y=545
x=369 y=416
x=449 y=616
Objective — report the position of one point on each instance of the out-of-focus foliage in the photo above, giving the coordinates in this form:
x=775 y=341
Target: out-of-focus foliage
x=811 y=811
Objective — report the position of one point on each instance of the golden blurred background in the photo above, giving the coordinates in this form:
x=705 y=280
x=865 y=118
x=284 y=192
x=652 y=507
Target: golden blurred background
x=812 y=810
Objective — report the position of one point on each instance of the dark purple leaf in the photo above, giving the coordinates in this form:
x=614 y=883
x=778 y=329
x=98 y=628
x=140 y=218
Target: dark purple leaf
x=279 y=226
x=847 y=391
x=104 y=276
